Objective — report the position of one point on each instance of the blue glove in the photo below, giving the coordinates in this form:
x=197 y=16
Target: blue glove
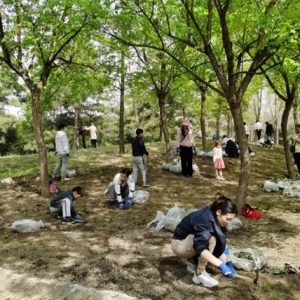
x=128 y=202
x=226 y=251
x=226 y=271
x=229 y=264
x=122 y=206
x=177 y=150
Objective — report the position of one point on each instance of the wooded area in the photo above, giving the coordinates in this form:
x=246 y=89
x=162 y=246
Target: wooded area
x=125 y=64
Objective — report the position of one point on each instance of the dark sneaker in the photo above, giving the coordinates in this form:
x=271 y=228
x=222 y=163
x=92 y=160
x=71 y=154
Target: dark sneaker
x=59 y=217
x=68 y=221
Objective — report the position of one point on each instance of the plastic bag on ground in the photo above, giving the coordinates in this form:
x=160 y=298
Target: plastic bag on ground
x=170 y=220
x=270 y=186
x=283 y=184
x=235 y=224
x=248 y=259
x=27 y=225
x=71 y=173
x=140 y=196
x=291 y=193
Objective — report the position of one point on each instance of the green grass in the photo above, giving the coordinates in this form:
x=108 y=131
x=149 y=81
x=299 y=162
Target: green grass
x=16 y=165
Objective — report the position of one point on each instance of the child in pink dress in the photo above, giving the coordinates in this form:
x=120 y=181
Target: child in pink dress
x=218 y=160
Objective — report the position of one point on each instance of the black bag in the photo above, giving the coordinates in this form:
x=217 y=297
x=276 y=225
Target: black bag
x=292 y=148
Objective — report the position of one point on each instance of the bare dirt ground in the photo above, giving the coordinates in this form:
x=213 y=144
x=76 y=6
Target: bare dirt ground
x=115 y=251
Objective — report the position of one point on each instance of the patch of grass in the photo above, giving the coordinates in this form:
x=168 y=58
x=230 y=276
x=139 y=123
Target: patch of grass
x=267 y=288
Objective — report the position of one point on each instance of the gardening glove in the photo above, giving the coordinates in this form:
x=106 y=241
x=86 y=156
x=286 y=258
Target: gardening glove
x=177 y=150
x=122 y=205
x=226 y=251
x=226 y=271
x=229 y=264
x=128 y=202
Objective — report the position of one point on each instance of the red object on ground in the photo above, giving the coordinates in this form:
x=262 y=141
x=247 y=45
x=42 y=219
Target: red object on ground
x=250 y=213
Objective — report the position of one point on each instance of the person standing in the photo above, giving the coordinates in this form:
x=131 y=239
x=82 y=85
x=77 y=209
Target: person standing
x=62 y=150
x=184 y=145
x=269 y=131
x=246 y=130
x=218 y=160
x=296 y=141
x=258 y=129
x=93 y=133
x=138 y=152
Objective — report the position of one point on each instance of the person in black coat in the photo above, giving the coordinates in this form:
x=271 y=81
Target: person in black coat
x=201 y=236
x=231 y=149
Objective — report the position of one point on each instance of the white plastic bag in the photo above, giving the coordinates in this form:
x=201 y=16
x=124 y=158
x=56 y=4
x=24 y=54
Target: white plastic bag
x=170 y=220
x=235 y=224
x=27 y=225
x=283 y=184
x=270 y=186
x=71 y=173
x=256 y=260
x=140 y=196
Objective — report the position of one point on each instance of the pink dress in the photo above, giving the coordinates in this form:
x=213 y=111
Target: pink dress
x=218 y=158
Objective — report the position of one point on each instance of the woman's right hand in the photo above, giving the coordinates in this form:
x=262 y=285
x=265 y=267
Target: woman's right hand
x=226 y=271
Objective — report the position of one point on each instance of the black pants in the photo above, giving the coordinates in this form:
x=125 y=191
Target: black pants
x=297 y=160
x=186 y=155
x=258 y=132
x=94 y=143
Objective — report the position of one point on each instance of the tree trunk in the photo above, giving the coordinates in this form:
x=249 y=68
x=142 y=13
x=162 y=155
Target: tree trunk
x=285 y=139
x=163 y=121
x=38 y=132
x=242 y=188
x=203 y=117
x=122 y=97
x=76 y=121
x=295 y=112
x=136 y=115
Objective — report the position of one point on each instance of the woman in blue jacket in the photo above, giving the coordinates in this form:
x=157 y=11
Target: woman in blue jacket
x=201 y=236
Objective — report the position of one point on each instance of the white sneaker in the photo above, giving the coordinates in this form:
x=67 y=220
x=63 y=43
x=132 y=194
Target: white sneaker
x=191 y=268
x=218 y=178
x=222 y=178
x=205 y=279
x=66 y=179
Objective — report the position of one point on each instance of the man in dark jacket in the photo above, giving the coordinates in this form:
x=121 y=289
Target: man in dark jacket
x=138 y=162
x=62 y=205
x=231 y=149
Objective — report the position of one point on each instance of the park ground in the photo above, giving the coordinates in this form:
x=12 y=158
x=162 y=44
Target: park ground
x=114 y=250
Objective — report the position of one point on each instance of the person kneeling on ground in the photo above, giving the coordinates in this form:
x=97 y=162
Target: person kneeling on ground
x=121 y=189
x=62 y=205
x=201 y=237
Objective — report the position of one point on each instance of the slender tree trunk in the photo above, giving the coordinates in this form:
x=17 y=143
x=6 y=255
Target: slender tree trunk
x=76 y=121
x=203 y=117
x=122 y=100
x=285 y=138
x=218 y=119
x=38 y=132
x=242 y=189
x=295 y=112
x=163 y=121
x=136 y=115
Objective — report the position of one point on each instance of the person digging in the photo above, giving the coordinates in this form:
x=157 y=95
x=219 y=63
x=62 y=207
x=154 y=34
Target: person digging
x=200 y=237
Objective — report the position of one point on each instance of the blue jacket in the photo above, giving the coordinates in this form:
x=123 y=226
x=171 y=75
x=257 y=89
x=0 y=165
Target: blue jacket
x=203 y=225
x=56 y=201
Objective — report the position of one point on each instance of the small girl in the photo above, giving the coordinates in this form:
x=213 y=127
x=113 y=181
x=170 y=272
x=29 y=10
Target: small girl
x=218 y=160
x=52 y=187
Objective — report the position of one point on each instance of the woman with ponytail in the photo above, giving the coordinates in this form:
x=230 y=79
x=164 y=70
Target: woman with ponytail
x=201 y=238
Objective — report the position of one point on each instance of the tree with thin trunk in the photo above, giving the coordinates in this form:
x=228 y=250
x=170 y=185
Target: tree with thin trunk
x=236 y=47
x=34 y=38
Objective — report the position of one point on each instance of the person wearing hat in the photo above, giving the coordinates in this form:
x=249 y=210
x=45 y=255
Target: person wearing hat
x=184 y=145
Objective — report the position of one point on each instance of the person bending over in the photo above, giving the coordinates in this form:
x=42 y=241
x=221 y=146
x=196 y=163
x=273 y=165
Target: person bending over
x=62 y=205
x=121 y=189
x=201 y=237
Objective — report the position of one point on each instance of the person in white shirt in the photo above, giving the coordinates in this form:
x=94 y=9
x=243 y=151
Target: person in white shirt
x=93 y=132
x=62 y=150
x=184 y=145
x=218 y=160
x=246 y=130
x=122 y=189
x=258 y=129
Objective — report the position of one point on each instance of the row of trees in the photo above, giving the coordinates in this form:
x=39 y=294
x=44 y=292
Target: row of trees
x=180 y=51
